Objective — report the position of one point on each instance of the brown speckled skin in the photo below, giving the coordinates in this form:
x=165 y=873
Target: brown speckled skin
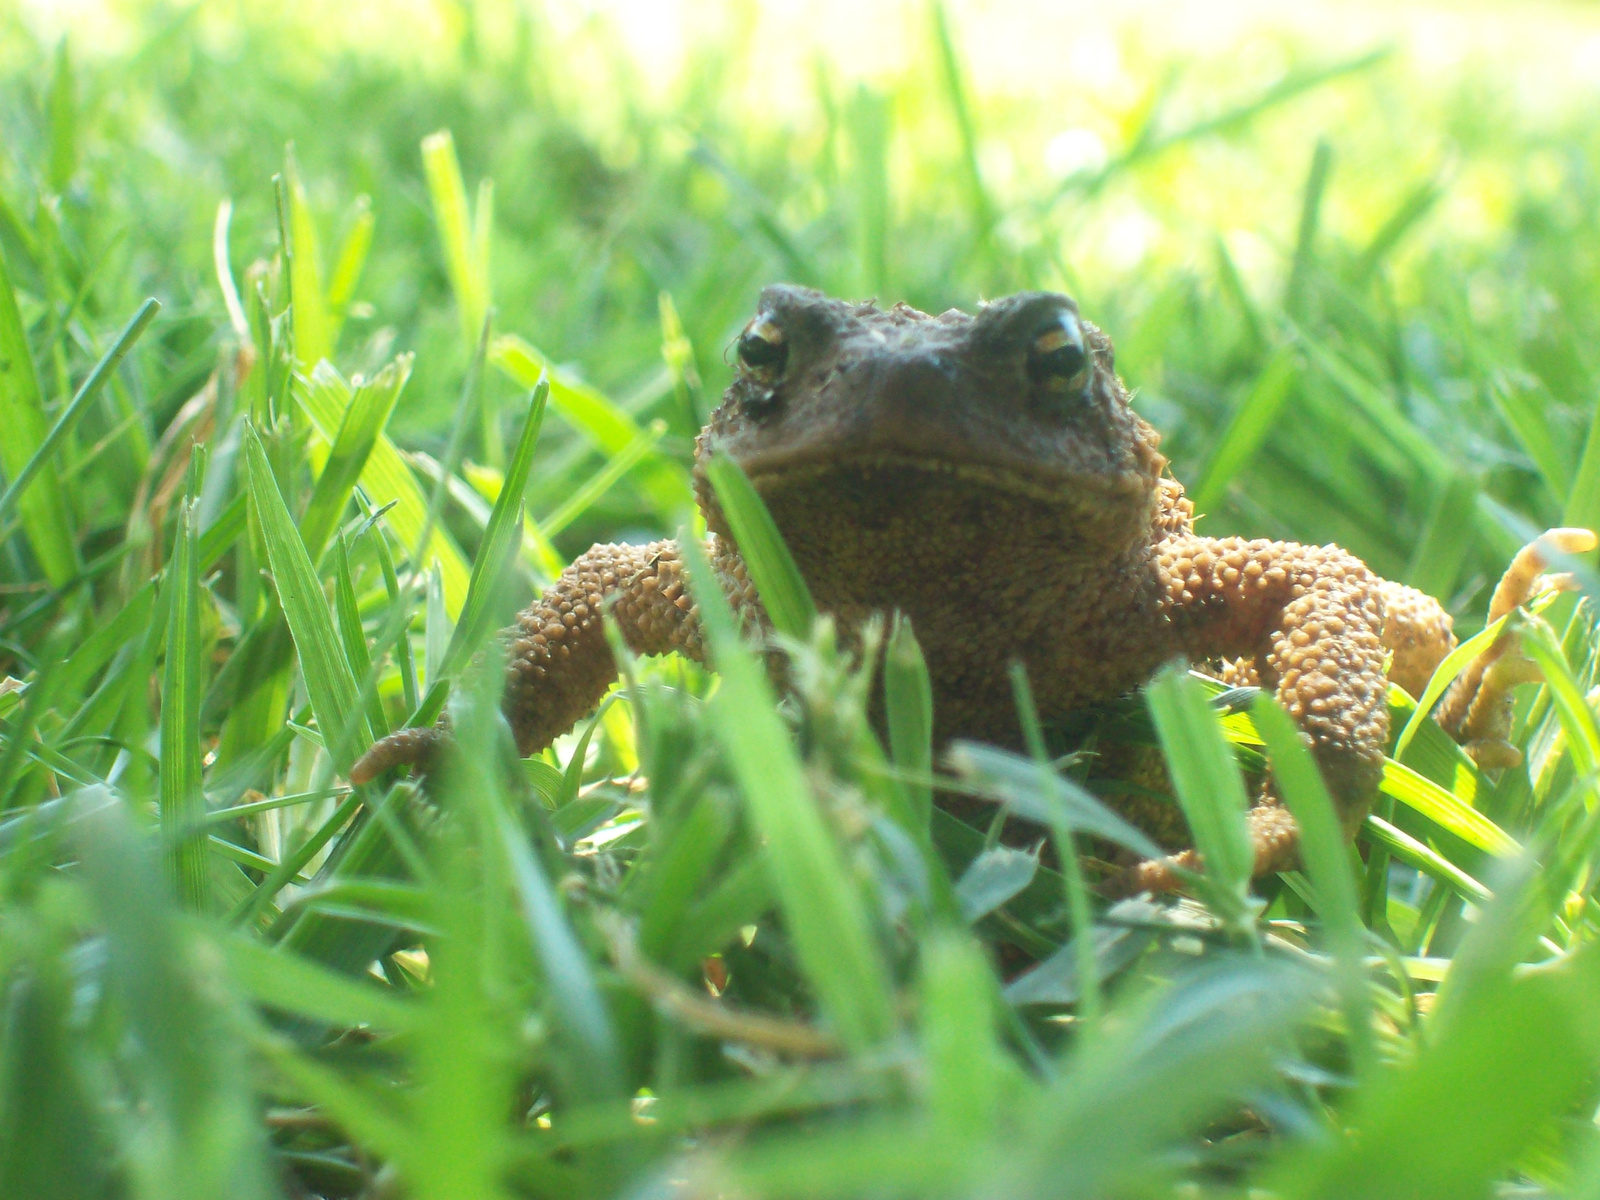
x=914 y=463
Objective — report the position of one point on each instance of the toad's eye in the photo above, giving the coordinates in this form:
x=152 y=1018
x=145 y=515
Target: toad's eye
x=762 y=350
x=1058 y=357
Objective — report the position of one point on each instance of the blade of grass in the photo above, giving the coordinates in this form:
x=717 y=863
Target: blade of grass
x=290 y=984
x=391 y=586
x=464 y=236
x=595 y=415
x=1416 y=205
x=290 y=865
x=499 y=545
x=1445 y=809
x=825 y=913
x=330 y=685
x=577 y=1001
x=1089 y=996
x=75 y=408
x=365 y=416
x=45 y=516
x=63 y=109
x=452 y=216
x=908 y=710
x=537 y=552
x=1427 y=860
x=224 y=269
x=1524 y=407
x=1443 y=676
x=196 y=1120
x=348 y=265
x=602 y=481
x=1295 y=83
x=1209 y=788
x=960 y=1049
x=313 y=333
x=354 y=635
x=1582 y=508
x=1251 y=424
x=1327 y=862
x=182 y=802
x=777 y=576
x=1446 y=539
x=1305 y=243
x=1540 y=643
x=952 y=75
x=871 y=123
x=386 y=479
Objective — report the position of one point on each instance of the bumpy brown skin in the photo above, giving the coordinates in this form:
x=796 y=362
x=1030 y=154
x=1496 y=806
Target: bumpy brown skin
x=1013 y=509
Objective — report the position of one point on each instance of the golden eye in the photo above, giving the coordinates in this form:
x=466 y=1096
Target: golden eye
x=1058 y=356
x=762 y=350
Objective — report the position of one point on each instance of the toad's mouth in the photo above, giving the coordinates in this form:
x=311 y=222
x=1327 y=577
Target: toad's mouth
x=774 y=474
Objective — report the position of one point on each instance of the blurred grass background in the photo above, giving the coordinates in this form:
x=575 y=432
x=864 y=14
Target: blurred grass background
x=1348 y=255
x=1439 y=249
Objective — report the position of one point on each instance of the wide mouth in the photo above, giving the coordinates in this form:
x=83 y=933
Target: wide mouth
x=774 y=473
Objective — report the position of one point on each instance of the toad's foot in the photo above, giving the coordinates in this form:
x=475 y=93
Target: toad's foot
x=1273 y=835
x=1476 y=710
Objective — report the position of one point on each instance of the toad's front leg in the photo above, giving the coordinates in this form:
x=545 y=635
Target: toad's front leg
x=559 y=663
x=1312 y=618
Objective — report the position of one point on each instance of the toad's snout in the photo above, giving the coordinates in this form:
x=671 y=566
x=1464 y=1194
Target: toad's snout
x=910 y=400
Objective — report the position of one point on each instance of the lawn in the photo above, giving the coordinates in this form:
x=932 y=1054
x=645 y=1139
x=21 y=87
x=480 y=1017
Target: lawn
x=327 y=339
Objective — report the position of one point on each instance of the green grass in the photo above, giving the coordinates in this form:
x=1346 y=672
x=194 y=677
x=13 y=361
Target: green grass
x=710 y=944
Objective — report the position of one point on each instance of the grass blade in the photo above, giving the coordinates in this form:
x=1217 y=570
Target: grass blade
x=1577 y=718
x=348 y=266
x=291 y=984
x=313 y=330
x=1582 y=508
x=960 y=1048
x=354 y=635
x=365 y=416
x=1446 y=539
x=777 y=576
x=1481 y=1093
x=595 y=415
x=1424 y=858
x=1305 y=245
x=1206 y=778
x=815 y=890
x=602 y=481
x=193 y=1112
x=908 y=710
x=80 y=401
x=1249 y=427
x=182 y=802
x=45 y=516
x=953 y=77
x=329 y=683
x=1327 y=862
x=501 y=538
x=388 y=481
x=1525 y=409
x=1445 y=809
x=451 y=214
x=1443 y=676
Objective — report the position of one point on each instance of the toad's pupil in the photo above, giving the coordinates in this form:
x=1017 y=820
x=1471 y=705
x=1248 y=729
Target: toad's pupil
x=762 y=353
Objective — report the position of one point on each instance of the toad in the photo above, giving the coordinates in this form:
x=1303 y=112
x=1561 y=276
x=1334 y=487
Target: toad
x=986 y=476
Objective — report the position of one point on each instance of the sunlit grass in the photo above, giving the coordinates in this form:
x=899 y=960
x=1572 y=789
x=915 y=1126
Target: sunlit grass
x=468 y=325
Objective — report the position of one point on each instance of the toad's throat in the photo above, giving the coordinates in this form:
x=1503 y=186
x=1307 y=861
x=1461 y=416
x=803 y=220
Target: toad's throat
x=889 y=533
x=1070 y=490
